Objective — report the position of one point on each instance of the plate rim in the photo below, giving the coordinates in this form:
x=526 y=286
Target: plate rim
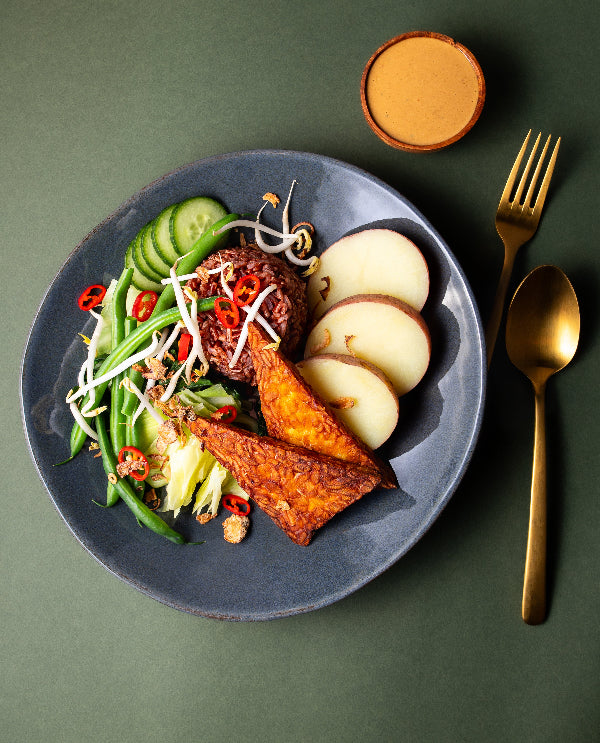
x=466 y=455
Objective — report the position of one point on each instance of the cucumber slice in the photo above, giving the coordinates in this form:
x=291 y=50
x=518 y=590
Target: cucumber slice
x=150 y=254
x=142 y=283
x=161 y=236
x=129 y=254
x=139 y=280
x=139 y=261
x=191 y=219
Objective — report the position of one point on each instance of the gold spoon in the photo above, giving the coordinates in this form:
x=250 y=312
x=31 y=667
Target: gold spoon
x=542 y=332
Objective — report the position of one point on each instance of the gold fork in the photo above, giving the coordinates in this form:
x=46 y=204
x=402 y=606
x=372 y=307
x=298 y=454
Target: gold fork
x=516 y=223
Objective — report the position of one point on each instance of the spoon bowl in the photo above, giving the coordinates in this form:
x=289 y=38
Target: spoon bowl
x=542 y=333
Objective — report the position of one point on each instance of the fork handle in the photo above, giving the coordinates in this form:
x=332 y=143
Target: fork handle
x=491 y=332
x=534 y=583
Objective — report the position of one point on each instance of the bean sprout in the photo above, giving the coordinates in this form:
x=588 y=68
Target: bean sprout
x=82 y=421
x=188 y=276
x=144 y=402
x=72 y=396
x=251 y=315
x=259 y=318
x=191 y=325
x=92 y=348
x=172 y=384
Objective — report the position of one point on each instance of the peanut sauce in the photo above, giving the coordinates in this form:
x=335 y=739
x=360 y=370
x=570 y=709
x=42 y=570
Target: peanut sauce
x=422 y=90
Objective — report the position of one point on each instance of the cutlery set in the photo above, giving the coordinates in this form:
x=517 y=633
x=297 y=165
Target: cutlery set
x=542 y=333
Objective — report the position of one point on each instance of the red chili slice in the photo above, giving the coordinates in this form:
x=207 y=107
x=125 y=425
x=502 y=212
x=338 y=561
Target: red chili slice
x=185 y=341
x=135 y=454
x=227 y=312
x=144 y=304
x=246 y=290
x=91 y=297
x=226 y=414
x=236 y=504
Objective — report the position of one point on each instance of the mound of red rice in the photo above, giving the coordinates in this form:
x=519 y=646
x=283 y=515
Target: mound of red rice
x=285 y=309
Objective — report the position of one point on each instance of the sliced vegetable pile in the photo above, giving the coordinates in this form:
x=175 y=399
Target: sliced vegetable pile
x=146 y=353
x=168 y=237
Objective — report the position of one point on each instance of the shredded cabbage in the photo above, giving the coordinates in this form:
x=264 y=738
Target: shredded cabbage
x=189 y=465
x=218 y=482
x=185 y=465
x=147 y=428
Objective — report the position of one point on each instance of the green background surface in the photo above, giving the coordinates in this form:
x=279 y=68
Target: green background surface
x=99 y=99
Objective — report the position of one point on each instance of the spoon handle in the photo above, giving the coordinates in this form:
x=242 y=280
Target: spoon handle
x=534 y=584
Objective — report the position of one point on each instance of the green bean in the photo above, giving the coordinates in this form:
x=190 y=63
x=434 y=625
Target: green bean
x=139 y=509
x=141 y=334
x=133 y=439
x=112 y=496
x=130 y=401
x=118 y=314
x=118 y=393
x=198 y=252
x=118 y=332
x=126 y=348
x=116 y=418
x=133 y=432
x=78 y=437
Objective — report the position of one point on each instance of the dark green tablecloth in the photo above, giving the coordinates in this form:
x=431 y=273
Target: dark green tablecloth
x=99 y=99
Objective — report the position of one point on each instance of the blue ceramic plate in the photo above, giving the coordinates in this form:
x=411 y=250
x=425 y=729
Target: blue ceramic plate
x=267 y=575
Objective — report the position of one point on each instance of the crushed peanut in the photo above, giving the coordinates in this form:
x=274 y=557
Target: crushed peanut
x=127 y=466
x=155 y=369
x=343 y=403
x=168 y=433
x=272 y=198
x=235 y=528
x=202 y=274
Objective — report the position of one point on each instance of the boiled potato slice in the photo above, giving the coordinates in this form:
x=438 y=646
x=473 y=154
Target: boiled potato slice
x=360 y=394
x=382 y=330
x=374 y=261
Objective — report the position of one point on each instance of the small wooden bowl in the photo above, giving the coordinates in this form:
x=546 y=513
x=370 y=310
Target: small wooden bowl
x=424 y=95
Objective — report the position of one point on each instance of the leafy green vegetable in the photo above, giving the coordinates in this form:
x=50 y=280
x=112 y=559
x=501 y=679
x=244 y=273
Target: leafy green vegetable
x=147 y=430
x=206 y=401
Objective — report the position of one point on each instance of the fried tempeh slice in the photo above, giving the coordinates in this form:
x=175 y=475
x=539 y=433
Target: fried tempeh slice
x=298 y=488
x=295 y=413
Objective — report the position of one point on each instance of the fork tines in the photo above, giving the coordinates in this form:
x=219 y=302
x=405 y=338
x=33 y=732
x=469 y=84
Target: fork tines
x=518 y=193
